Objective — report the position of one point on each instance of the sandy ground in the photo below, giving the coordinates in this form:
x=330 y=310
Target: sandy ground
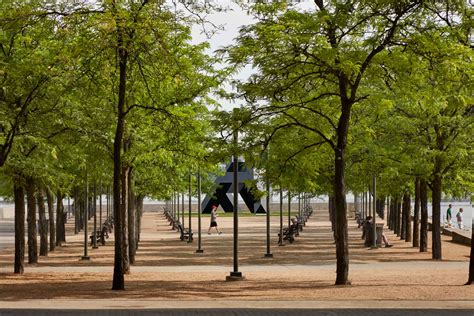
x=169 y=269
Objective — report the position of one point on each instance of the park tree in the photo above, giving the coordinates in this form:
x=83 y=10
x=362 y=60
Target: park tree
x=432 y=114
x=143 y=49
x=326 y=52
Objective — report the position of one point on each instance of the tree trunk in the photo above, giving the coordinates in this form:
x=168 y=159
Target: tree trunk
x=43 y=224
x=398 y=211
x=342 y=244
x=63 y=219
x=436 y=222
x=407 y=207
x=330 y=212
x=60 y=228
x=424 y=216
x=76 y=207
x=32 y=233
x=390 y=215
x=118 y=282
x=124 y=205
x=139 y=208
x=416 y=215
x=131 y=218
x=19 y=194
x=380 y=202
x=470 y=280
x=333 y=216
x=403 y=228
x=52 y=227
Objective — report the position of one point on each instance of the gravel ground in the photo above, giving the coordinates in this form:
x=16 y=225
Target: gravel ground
x=167 y=269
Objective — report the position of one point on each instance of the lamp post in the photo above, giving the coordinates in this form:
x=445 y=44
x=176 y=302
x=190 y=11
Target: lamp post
x=94 y=207
x=235 y=275
x=374 y=200
x=199 y=250
x=189 y=200
x=268 y=254
x=280 y=240
x=289 y=208
x=86 y=216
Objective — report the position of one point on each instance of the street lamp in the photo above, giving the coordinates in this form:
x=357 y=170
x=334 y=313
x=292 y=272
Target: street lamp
x=199 y=250
x=235 y=275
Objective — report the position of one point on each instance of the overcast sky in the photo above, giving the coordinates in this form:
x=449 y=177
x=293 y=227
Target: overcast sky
x=231 y=20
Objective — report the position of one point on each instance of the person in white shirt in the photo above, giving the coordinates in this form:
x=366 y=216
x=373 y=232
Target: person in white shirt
x=459 y=218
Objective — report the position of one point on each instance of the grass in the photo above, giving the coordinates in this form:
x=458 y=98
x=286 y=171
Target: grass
x=243 y=214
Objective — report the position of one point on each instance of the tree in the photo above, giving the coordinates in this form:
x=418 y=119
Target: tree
x=316 y=62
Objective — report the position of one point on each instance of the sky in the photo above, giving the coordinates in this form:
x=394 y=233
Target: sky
x=231 y=20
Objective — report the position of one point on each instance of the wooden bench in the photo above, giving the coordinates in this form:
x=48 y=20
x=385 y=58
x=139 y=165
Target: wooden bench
x=102 y=234
x=289 y=233
x=185 y=234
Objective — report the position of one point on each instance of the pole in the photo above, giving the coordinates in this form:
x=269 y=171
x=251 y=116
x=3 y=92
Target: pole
x=280 y=240
x=86 y=212
x=107 y=203
x=182 y=210
x=189 y=200
x=235 y=275
x=268 y=254
x=94 y=237
x=199 y=250
x=289 y=209
x=299 y=204
x=100 y=206
x=178 y=210
x=374 y=200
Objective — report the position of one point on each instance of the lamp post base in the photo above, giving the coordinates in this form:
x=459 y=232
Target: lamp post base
x=235 y=276
x=85 y=258
x=199 y=250
x=268 y=255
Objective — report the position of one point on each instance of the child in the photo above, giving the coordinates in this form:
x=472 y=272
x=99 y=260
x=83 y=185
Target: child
x=213 y=220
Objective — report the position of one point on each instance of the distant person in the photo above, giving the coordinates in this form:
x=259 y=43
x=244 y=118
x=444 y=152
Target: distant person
x=449 y=215
x=369 y=223
x=459 y=218
x=213 y=220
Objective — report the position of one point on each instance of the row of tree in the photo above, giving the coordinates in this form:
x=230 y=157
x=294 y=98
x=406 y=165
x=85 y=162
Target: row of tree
x=341 y=92
x=87 y=88
x=348 y=90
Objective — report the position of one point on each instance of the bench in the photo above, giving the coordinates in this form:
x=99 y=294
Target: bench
x=289 y=233
x=103 y=234
x=185 y=234
x=172 y=221
x=297 y=224
x=359 y=220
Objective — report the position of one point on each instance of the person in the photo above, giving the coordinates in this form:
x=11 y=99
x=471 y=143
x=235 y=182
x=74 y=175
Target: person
x=213 y=220
x=368 y=223
x=459 y=218
x=448 y=215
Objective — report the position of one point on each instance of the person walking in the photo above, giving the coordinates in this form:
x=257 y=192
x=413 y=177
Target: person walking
x=459 y=218
x=449 y=215
x=213 y=220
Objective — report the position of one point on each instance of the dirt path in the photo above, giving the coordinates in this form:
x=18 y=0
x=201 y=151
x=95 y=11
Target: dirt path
x=168 y=269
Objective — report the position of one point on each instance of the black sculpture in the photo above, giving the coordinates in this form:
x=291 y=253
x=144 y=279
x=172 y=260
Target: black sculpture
x=225 y=186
